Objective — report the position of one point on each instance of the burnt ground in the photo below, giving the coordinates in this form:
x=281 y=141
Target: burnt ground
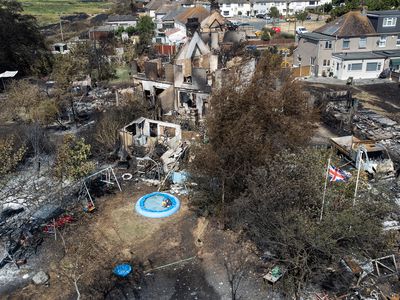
x=383 y=98
x=113 y=234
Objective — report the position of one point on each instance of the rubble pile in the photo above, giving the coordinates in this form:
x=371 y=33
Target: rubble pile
x=341 y=112
x=370 y=125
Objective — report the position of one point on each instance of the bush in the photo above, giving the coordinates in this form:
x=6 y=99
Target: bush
x=286 y=35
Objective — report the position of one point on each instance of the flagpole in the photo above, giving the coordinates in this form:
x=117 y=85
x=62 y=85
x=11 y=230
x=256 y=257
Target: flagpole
x=358 y=176
x=326 y=183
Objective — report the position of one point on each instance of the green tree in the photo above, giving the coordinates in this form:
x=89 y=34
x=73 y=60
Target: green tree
x=301 y=16
x=145 y=28
x=72 y=160
x=370 y=4
x=274 y=13
x=84 y=59
x=22 y=47
x=10 y=155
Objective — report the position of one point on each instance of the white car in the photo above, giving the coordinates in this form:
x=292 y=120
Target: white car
x=301 y=30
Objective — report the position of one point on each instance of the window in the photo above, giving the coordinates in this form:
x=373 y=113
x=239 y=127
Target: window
x=382 y=41
x=346 y=43
x=227 y=5
x=226 y=13
x=362 y=42
x=398 y=41
x=312 y=2
x=372 y=67
x=389 y=22
x=240 y=4
x=355 y=67
x=328 y=45
x=326 y=63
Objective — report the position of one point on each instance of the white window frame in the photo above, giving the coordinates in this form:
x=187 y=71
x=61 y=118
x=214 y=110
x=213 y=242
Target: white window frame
x=382 y=41
x=350 y=67
x=362 y=43
x=347 y=41
x=328 y=43
x=326 y=63
x=378 y=66
x=389 y=22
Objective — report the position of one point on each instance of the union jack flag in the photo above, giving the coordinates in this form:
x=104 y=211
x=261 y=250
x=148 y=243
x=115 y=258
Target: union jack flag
x=335 y=174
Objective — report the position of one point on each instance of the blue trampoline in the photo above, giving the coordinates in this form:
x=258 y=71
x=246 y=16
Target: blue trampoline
x=153 y=205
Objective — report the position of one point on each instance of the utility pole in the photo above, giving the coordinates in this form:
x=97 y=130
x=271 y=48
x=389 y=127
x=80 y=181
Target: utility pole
x=61 y=30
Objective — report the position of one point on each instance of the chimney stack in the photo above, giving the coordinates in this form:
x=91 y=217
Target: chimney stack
x=192 y=26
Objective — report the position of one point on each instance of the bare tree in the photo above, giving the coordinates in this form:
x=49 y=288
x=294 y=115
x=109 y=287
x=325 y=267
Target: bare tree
x=236 y=266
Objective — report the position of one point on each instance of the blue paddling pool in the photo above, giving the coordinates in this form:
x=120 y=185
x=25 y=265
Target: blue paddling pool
x=122 y=270
x=157 y=205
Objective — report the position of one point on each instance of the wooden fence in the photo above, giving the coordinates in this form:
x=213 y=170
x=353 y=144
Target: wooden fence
x=301 y=71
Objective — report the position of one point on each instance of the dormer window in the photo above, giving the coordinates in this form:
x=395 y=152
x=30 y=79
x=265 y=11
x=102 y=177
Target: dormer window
x=389 y=22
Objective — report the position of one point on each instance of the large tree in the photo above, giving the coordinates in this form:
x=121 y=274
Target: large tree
x=370 y=4
x=22 y=47
x=145 y=28
x=248 y=124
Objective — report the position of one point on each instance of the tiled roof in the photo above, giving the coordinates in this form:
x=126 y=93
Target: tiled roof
x=198 y=12
x=351 y=24
x=172 y=14
x=182 y=14
x=119 y=18
x=155 y=4
x=211 y=19
x=166 y=8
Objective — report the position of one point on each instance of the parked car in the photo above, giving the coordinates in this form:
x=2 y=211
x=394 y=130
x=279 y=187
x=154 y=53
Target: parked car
x=276 y=29
x=301 y=30
x=260 y=16
x=231 y=26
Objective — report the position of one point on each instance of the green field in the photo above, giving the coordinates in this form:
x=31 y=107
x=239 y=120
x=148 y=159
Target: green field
x=48 y=11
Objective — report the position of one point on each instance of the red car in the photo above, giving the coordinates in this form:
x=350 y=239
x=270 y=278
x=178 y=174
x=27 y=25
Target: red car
x=276 y=29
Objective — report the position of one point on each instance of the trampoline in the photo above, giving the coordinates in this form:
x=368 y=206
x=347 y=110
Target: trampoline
x=151 y=205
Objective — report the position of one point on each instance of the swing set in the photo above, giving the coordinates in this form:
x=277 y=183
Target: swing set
x=106 y=176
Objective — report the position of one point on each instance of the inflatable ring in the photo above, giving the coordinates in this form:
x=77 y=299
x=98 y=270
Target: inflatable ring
x=126 y=176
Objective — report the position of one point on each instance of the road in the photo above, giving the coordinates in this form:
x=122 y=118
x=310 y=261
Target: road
x=285 y=26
